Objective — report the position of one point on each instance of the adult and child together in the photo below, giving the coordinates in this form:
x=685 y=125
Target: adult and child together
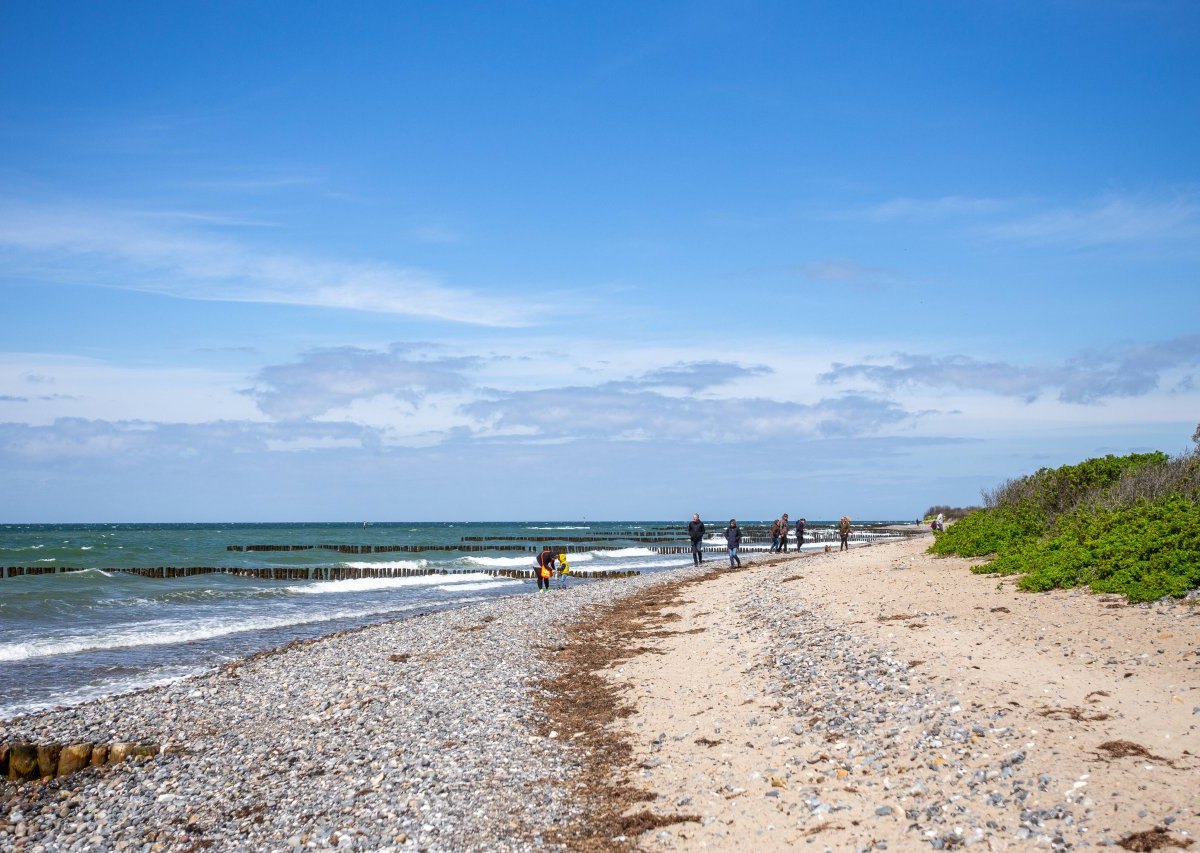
x=779 y=537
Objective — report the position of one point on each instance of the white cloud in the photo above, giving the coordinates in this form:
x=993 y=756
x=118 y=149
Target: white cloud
x=153 y=253
x=328 y=379
x=1090 y=377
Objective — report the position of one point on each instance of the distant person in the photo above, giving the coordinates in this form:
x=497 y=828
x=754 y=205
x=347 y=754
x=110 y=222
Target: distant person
x=733 y=538
x=564 y=569
x=801 y=523
x=545 y=568
x=844 y=529
x=775 y=536
x=784 y=527
x=696 y=534
x=940 y=521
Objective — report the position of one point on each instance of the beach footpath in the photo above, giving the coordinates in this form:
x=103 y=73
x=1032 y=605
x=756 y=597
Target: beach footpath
x=878 y=698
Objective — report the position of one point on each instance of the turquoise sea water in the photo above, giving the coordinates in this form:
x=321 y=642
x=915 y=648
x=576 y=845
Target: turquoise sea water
x=68 y=637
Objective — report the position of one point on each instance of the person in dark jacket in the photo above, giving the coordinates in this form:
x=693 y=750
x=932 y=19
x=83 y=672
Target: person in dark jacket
x=801 y=523
x=545 y=568
x=733 y=538
x=696 y=534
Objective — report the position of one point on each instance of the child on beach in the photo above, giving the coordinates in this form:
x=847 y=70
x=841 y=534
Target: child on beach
x=563 y=570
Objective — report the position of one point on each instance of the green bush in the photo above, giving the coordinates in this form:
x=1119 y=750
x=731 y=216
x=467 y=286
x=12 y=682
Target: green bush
x=988 y=531
x=1145 y=552
x=1128 y=525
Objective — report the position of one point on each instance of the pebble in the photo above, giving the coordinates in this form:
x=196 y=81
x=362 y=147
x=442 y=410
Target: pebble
x=331 y=744
x=868 y=719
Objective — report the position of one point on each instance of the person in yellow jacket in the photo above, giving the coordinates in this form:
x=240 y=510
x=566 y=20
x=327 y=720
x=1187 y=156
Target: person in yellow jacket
x=564 y=569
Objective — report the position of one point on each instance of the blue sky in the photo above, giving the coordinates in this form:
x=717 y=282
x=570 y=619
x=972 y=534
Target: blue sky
x=382 y=261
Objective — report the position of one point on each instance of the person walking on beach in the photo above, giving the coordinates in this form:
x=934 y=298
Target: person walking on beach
x=784 y=526
x=801 y=523
x=844 y=532
x=733 y=538
x=696 y=534
x=775 y=536
x=545 y=568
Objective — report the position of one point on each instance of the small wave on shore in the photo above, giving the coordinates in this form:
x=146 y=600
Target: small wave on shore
x=373 y=584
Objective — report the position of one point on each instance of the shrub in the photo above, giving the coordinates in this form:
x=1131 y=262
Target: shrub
x=1127 y=524
x=987 y=532
x=1145 y=551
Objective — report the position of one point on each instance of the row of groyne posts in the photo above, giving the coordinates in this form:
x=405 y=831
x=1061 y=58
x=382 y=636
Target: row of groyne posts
x=754 y=539
x=20 y=762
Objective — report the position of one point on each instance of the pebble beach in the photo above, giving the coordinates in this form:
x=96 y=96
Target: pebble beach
x=874 y=699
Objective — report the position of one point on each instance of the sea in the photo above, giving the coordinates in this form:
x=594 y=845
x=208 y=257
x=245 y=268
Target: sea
x=81 y=618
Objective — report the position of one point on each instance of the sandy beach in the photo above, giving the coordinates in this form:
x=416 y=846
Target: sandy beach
x=874 y=699
x=882 y=697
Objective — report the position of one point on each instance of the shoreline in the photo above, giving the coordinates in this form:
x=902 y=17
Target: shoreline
x=416 y=733
x=835 y=698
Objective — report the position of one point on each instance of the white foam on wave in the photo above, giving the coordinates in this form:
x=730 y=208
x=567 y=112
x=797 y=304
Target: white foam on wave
x=94 y=571
x=47 y=560
x=372 y=584
x=624 y=552
x=475 y=587
x=563 y=527
x=393 y=564
x=502 y=562
x=166 y=632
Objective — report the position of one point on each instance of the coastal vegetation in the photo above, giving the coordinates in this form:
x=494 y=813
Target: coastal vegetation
x=1117 y=524
x=948 y=513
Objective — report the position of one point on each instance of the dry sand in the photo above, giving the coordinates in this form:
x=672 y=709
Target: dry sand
x=995 y=718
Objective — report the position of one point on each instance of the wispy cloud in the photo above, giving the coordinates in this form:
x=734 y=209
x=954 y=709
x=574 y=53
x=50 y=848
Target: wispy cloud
x=154 y=254
x=928 y=209
x=434 y=234
x=129 y=443
x=1091 y=377
x=1111 y=220
x=846 y=272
